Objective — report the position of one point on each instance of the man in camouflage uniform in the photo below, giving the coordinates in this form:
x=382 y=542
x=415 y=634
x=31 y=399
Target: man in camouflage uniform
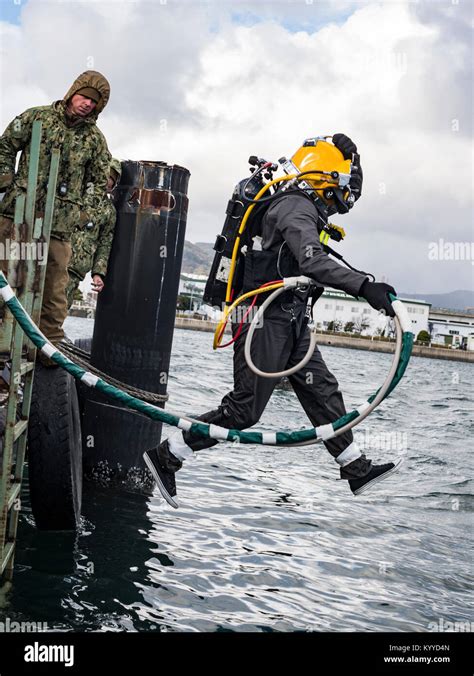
x=70 y=125
x=91 y=245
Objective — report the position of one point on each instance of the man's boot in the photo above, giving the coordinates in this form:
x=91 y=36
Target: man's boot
x=163 y=465
x=377 y=473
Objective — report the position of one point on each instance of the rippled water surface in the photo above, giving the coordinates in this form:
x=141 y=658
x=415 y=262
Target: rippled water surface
x=269 y=539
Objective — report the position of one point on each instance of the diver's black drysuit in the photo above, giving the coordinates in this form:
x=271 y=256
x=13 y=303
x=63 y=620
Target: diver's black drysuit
x=290 y=246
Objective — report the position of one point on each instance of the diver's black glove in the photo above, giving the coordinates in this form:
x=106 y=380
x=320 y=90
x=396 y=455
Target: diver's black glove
x=376 y=294
x=345 y=145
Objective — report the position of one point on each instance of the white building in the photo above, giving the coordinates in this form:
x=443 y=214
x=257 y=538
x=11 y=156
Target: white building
x=337 y=310
x=448 y=327
x=192 y=285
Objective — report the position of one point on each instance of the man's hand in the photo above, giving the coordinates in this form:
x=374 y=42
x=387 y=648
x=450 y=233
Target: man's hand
x=97 y=283
x=376 y=294
x=345 y=145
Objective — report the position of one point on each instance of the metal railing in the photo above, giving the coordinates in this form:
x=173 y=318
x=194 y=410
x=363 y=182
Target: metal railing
x=26 y=276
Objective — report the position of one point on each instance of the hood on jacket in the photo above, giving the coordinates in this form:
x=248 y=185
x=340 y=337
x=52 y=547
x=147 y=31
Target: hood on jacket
x=91 y=78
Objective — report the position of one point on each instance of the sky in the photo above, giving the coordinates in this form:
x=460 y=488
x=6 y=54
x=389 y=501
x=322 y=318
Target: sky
x=205 y=84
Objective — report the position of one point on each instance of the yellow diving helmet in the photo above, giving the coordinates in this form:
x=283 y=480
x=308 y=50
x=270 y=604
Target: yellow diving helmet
x=327 y=172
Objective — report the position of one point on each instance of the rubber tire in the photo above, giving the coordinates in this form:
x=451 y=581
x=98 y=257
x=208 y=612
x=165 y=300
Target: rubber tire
x=55 y=450
x=84 y=344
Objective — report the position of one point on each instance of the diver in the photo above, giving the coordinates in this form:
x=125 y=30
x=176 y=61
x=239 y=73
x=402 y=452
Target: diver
x=289 y=243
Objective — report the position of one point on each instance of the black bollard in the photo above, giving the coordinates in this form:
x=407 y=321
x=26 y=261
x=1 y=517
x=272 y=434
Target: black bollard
x=135 y=316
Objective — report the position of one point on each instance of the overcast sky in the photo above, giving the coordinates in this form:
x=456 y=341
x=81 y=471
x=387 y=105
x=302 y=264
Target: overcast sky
x=231 y=79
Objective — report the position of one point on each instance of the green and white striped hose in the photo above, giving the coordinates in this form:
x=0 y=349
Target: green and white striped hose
x=298 y=437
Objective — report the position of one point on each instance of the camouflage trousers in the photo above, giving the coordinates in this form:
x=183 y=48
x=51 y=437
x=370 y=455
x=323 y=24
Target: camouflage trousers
x=54 y=307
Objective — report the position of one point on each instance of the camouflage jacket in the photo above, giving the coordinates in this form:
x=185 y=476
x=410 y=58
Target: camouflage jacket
x=84 y=163
x=91 y=246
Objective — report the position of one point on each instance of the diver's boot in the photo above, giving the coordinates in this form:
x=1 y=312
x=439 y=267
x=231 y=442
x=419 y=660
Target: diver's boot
x=377 y=473
x=163 y=465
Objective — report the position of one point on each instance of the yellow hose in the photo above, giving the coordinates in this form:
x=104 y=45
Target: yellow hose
x=219 y=334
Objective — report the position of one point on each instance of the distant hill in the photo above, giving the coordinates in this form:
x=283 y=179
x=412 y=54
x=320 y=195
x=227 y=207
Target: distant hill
x=453 y=300
x=197 y=258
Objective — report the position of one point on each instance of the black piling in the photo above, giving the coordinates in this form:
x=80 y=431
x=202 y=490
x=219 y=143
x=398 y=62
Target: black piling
x=135 y=317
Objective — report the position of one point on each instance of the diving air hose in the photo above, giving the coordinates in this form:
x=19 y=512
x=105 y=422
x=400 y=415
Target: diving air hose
x=288 y=283
x=403 y=325
x=298 y=437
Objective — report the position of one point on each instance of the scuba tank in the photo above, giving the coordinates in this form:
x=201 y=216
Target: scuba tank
x=244 y=192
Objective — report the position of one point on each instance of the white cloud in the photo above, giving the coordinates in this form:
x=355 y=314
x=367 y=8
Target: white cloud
x=392 y=75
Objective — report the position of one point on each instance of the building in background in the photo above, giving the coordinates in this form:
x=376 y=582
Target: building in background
x=338 y=311
x=191 y=286
x=451 y=327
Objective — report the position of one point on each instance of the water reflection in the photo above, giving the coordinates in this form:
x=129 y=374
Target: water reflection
x=90 y=578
